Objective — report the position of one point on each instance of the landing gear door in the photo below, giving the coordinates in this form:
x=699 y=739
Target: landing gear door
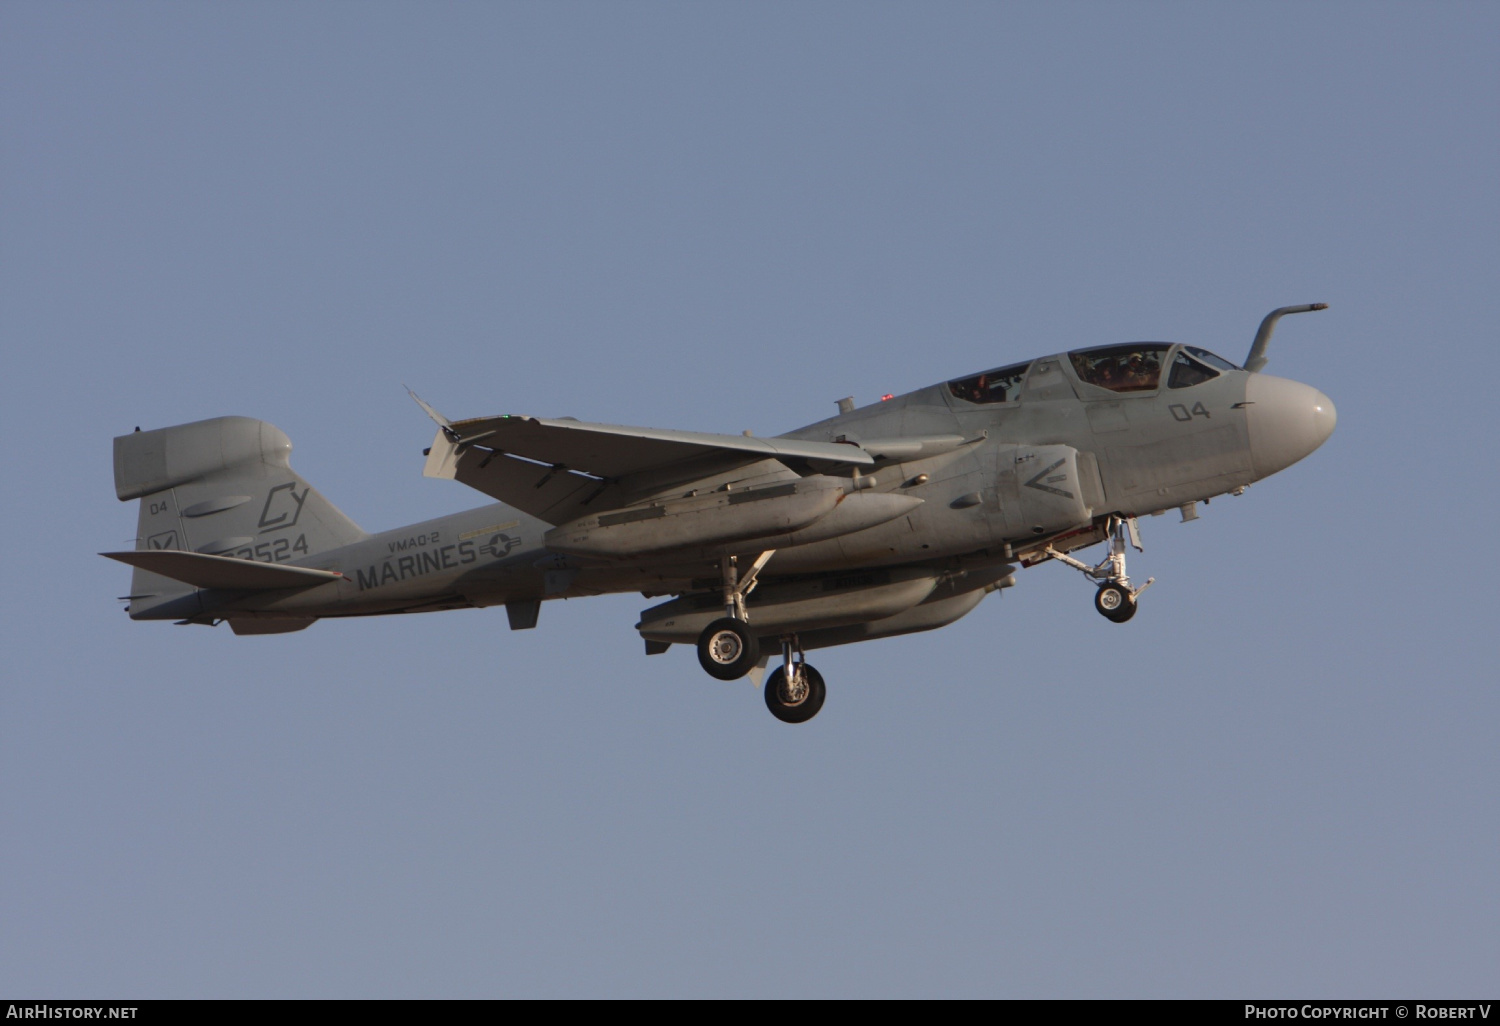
x=1040 y=490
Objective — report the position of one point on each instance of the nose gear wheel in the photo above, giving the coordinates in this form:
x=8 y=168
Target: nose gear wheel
x=1114 y=602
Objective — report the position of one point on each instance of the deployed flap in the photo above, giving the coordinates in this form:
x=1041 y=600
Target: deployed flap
x=205 y=571
x=571 y=464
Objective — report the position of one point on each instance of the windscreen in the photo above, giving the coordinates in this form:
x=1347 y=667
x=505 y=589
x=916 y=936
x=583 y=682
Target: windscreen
x=1187 y=372
x=1212 y=359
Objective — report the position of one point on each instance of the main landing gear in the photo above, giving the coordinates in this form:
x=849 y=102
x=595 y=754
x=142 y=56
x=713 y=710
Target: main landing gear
x=795 y=692
x=1115 y=599
x=728 y=649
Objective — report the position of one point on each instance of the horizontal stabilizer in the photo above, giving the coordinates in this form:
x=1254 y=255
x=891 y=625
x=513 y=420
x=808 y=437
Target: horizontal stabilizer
x=204 y=571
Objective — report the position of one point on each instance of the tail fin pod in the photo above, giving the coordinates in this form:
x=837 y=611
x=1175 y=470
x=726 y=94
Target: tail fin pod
x=223 y=487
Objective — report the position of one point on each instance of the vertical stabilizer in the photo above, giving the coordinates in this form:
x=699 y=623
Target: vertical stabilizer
x=222 y=487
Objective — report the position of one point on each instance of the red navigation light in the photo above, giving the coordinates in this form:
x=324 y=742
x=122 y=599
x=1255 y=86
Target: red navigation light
x=888 y=396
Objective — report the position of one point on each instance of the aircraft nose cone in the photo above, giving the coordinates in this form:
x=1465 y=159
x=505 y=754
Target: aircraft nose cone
x=1287 y=421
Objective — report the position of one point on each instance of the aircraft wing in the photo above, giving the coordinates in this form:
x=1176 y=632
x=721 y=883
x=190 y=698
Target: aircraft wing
x=559 y=469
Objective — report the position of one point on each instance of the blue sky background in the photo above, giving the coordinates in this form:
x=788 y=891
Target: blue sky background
x=1278 y=779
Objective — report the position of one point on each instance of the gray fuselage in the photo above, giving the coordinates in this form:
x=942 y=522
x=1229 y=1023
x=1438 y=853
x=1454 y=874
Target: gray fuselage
x=1045 y=464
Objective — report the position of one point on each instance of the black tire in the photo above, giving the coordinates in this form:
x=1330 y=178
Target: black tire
x=727 y=650
x=800 y=712
x=1114 y=603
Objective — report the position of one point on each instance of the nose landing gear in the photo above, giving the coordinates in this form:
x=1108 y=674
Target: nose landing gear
x=1115 y=599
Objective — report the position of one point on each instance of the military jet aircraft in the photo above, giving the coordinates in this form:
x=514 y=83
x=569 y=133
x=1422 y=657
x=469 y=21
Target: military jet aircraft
x=895 y=517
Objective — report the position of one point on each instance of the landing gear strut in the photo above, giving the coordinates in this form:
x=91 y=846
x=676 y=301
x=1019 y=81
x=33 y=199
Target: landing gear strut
x=795 y=692
x=1115 y=599
x=727 y=649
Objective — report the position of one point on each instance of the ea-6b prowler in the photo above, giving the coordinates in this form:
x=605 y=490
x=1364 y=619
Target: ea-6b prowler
x=888 y=519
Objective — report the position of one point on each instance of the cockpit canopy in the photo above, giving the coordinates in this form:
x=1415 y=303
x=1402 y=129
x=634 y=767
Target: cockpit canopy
x=1130 y=368
x=1136 y=367
x=1001 y=385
